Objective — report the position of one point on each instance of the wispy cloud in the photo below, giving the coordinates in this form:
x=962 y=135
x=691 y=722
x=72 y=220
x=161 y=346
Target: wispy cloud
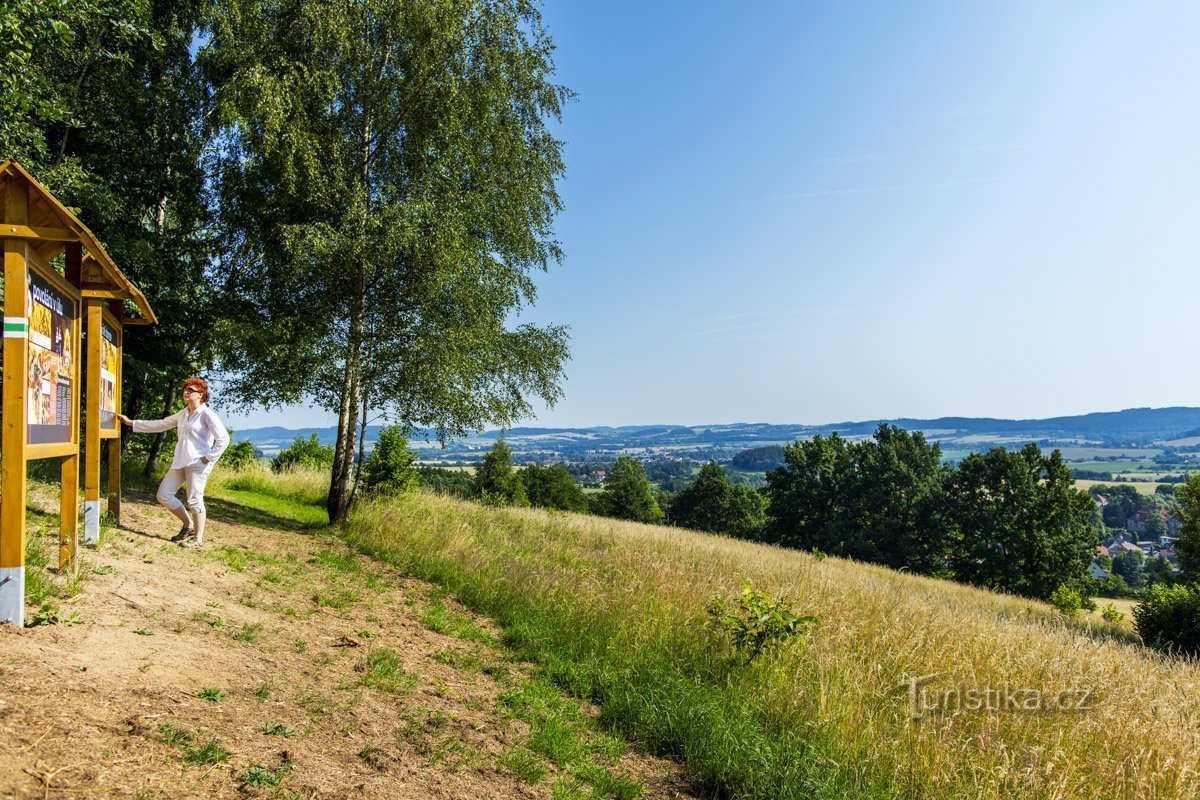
x=911 y=187
x=752 y=322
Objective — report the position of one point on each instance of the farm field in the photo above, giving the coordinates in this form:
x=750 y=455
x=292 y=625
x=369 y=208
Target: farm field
x=1144 y=487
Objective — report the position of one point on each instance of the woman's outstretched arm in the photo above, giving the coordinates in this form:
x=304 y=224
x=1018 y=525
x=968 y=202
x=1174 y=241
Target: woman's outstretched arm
x=156 y=425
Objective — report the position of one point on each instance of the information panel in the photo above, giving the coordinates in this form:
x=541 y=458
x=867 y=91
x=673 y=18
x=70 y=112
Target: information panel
x=110 y=355
x=52 y=350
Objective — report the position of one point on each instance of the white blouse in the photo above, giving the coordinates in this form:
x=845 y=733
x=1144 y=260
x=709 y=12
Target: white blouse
x=201 y=435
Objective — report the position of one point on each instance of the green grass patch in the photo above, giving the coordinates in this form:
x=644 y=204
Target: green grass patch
x=383 y=670
x=340 y=560
x=260 y=775
x=276 y=729
x=211 y=752
x=338 y=598
x=439 y=618
x=249 y=633
x=523 y=764
x=212 y=694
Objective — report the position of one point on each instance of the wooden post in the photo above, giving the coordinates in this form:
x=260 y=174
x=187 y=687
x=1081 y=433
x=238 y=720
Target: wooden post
x=16 y=408
x=68 y=530
x=91 y=444
x=117 y=309
x=114 y=480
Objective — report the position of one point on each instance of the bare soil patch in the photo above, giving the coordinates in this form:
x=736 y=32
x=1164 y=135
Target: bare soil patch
x=272 y=663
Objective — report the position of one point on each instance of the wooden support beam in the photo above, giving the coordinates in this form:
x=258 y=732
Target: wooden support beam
x=38 y=234
x=135 y=321
x=68 y=529
x=104 y=294
x=15 y=408
x=114 y=480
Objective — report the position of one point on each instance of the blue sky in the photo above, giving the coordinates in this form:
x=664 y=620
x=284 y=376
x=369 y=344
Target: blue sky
x=803 y=212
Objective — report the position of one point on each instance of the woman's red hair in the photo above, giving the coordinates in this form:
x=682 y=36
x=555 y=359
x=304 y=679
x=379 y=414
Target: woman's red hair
x=199 y=385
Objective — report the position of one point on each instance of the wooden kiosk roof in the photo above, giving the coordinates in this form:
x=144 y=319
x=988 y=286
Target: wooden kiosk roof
x=51 y=227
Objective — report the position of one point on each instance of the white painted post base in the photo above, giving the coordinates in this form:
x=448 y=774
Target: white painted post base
x=12 y=595
x=91 y=521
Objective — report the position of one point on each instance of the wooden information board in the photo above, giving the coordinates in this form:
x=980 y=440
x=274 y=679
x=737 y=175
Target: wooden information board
x=56 y=273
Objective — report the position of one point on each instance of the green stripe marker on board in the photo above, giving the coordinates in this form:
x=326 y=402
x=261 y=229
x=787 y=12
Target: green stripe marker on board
x=16 y=327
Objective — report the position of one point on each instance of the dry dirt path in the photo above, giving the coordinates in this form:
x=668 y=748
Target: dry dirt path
x=325 y=673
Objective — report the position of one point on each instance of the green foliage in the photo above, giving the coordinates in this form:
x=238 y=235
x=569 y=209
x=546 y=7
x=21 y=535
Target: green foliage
x=276 y=729
x=1066 y=600
x=1156 y=524
x=1188 y=544
x=755 y=622
x=553 y=487
x=389 y=468
x=211 y=752
x=304 y=454
x=1131 y=568
x=1110 y=613
x=1168 y=618
x=455 y=483
x=1110 y=586
x=239 y=455
x=49 y=614
x=259 y=775
x=1018 y=523
x=212 y=694
x=383 y=670
x=880 y=500
x=174 y=735
x=523 y=764
x=496 y=482
x=712 y=503
x=626 y=494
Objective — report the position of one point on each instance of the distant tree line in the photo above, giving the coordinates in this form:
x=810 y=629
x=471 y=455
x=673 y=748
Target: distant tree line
x=1006 y=520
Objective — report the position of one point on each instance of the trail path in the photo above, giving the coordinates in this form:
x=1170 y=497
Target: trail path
x=297 y=633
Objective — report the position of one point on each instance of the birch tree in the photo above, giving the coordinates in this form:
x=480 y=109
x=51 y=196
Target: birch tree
x=389 y=178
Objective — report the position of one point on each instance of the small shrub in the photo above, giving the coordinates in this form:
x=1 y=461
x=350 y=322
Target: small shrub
x=1168 y=618
x=174 y=735
x=1066 y=600
x=262 y=775
x=755 y=622
x=211 y=752
x=389 y=469
x=304 y=453
x=1111 y=614
x=212 y=694
x=276 y=729
x=49 y=614
x=239 y=455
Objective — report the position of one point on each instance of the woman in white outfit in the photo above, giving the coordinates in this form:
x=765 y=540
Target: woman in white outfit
x=202 y=439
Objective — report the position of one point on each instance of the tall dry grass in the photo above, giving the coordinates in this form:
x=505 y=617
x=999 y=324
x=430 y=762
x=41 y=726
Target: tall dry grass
x=615 y=611
x=301 y=484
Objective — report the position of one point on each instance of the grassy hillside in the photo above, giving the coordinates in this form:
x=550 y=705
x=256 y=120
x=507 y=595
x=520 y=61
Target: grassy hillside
x=615 y=612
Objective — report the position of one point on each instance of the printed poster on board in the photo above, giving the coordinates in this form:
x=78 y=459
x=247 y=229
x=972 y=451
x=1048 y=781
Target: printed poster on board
x=52 y=354
x=110 y=343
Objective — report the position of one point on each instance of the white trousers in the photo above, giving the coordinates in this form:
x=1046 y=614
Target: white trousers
x=194 y=477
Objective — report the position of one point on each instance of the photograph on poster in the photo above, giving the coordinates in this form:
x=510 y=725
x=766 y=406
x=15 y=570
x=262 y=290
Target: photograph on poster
x=109 y=354
x=51 y=366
